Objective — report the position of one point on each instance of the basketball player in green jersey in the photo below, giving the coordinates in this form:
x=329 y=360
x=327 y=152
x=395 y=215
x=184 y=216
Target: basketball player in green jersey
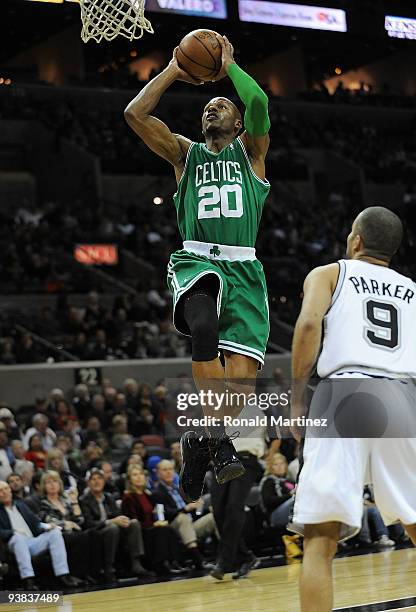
x=218 y=285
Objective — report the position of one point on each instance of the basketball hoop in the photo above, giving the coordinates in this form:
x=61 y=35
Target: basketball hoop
x=110 y=18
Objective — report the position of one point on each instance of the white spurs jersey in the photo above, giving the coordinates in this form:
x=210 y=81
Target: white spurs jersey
x=371 y=324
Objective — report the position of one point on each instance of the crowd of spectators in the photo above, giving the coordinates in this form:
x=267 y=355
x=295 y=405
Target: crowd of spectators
x=121 y=330
x=386 y=155
x=91 y=471
x=294 y=235
x=92 y=477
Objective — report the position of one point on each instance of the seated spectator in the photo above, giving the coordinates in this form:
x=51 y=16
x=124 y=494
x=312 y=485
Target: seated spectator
x=110 y=394
x=101 y=513
x=34 y=500
x=7 y=418
x=92 y=456
x=6 y=455
x=72 y=454
x=121 y=439
x=179 y=514
x=99 y=410
x=63 y=413
x=18 y=489
x=91 y=431
x=26 y=535
x=36 y=453
x=62 y=509
x=121 y=408
x=137 y=448
x=71 y=427
x=81 y=400
x=112 y=482
x=131 y=389
x=55 y=461
x=153 y=476
x=176 y=455
x=40 y=426
x=146 y=423
x=373 y=517
x=145 y=395
x=160 y=540
x=104 y=444
x=22 y=466
x=277 y=491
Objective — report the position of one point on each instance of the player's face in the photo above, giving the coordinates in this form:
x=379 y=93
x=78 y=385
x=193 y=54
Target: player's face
x=219 y=116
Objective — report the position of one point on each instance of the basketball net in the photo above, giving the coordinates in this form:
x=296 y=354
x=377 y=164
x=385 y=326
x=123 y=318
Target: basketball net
x=110 y=18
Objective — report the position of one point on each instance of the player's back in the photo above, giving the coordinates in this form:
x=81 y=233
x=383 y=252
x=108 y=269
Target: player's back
x=370 y=326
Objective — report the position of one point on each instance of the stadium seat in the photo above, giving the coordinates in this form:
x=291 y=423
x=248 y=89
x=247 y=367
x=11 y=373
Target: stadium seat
x=153 y=440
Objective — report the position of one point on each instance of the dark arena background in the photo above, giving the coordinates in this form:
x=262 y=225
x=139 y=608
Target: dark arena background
x=90 y=362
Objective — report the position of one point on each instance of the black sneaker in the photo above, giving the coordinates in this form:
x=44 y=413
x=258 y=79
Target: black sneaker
x=227 y=465
x=195 y=460
x=246 y=568
x=218 y=572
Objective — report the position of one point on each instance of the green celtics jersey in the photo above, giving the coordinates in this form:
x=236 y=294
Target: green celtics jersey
x=219 y=199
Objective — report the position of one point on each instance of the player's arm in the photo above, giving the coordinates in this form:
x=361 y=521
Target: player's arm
x=154 y=133
x=318 y=288
x=256 y=118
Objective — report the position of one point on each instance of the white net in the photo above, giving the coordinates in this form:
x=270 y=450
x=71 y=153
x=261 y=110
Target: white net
x=106 y=19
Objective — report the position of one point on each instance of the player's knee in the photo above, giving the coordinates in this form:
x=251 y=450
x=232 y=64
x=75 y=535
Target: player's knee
x=322 y=540
x=201 y=316
x=205 y=339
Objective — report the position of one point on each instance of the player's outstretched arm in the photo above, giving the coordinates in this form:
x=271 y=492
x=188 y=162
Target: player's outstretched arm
x=317 y=295
x=154 y=133
x=256 y=119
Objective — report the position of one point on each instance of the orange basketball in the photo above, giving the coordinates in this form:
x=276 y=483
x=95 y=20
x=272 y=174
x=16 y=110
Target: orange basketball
x=199 y=54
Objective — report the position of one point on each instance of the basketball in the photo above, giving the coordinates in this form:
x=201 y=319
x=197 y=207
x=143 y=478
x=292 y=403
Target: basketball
x=199 y=54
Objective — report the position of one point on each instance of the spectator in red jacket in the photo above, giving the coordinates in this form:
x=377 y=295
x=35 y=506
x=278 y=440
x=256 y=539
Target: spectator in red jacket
x=36 y=453
x=161 y=542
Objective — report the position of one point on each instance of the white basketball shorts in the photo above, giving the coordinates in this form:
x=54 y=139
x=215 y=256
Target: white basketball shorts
x=335 y=471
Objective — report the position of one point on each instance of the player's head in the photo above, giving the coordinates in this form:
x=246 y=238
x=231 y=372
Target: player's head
x=221 y=116
x=377 y=232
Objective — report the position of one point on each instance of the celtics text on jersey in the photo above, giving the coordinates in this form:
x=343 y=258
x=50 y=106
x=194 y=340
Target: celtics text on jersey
x=219 y=198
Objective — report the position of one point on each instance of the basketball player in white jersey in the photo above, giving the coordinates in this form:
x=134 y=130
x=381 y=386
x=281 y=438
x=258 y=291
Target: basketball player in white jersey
x=369 y=316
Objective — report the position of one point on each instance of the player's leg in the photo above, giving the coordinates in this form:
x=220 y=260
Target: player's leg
x=240 y=373
x=240 y=377
x=198 y=309
x=320 y=546
x=322 y=512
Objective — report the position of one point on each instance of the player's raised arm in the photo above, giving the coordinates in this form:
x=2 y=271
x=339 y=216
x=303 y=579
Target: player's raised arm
x=318 y=289
x=256 y=118
x=154 y=133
